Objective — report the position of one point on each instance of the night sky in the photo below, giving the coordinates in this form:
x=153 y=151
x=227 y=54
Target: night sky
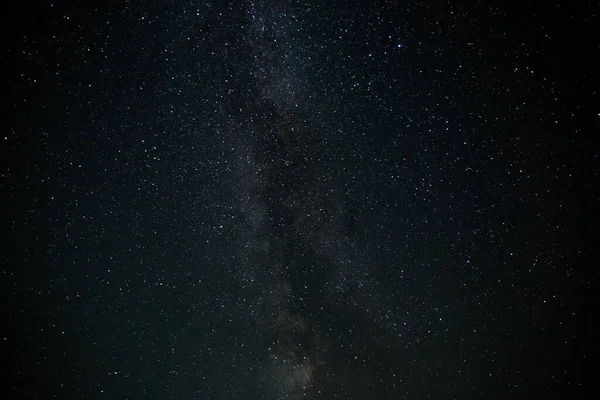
x=279 y=199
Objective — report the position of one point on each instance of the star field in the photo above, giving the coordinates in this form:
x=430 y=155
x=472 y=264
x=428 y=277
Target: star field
x=277 y=199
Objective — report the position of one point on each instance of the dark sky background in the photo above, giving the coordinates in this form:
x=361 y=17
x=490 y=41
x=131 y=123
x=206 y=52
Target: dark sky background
x=299 y=200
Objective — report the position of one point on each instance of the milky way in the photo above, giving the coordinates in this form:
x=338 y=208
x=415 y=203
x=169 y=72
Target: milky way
x=277 y=199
